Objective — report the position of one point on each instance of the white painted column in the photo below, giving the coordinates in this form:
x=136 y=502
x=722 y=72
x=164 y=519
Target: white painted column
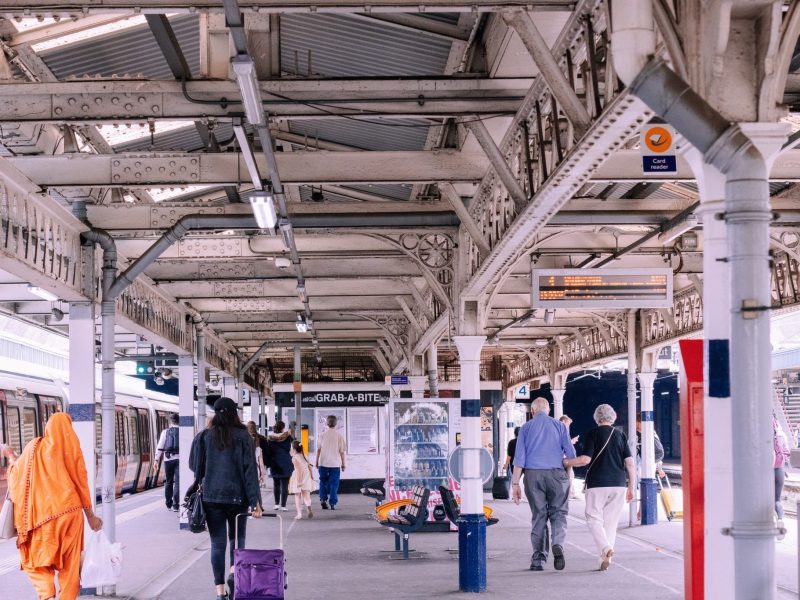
x=200 y=352
x=433 y=370
x=417 y=383
x=558 y=402
x=472 y=523
x=270 y=413
x=255 y=408
x=649 y=488
x=632 y=400
x=717 y=440
x=229 y=389
x=82 y=383
x=186 y=427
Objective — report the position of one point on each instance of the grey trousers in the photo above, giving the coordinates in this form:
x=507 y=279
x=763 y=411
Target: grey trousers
x=547 y=491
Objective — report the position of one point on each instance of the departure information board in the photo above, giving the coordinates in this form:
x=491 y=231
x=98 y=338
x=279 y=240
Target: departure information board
x=602 y=288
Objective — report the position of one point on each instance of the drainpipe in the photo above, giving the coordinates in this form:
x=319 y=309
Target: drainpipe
x=633 y=39
x=108 y=466
x=747 y=216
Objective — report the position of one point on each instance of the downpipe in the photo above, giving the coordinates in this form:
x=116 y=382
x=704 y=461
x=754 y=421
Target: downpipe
x=747 y=216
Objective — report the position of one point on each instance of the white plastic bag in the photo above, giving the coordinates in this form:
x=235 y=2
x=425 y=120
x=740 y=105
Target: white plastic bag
x=98 y=562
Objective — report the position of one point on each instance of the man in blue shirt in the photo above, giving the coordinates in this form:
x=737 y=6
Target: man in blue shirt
x=542 y=445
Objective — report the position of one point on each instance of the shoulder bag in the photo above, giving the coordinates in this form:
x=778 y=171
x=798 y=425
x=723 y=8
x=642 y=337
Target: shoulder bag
x=193 y=506
x=595 y=457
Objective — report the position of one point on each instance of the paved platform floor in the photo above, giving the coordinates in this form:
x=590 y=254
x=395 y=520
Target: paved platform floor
x=342 y=555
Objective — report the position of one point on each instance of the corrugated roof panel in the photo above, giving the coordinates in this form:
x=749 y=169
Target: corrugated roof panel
x=186 y=138
x=349 y=46
x=131 y=52
x=395 y=134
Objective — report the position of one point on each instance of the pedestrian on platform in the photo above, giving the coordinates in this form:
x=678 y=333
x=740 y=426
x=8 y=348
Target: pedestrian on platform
x=331 y=451
x=254 y=435
x=658 y=449
x=280 y=463
x=797 y=436
x=542 y=444
x=223 y=459
x=609 y=480
x=510 y=450
x=302 y=480
x=50 y=492
x=167 y=449
x=781 y=464
x=567 y=421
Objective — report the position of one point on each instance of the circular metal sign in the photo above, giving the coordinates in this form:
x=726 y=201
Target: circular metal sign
x=456 y=464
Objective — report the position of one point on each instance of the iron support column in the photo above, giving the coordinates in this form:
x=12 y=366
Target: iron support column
x=82 y=382
x=201 y=377
x=632 y=399
x=472 y=522
x=298 y=394
x=648 y=486
x=186 y=427
x=558 y=402
x=433 y=370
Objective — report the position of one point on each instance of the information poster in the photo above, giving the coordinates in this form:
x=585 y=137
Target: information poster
x=320 y=419
x=362 y=430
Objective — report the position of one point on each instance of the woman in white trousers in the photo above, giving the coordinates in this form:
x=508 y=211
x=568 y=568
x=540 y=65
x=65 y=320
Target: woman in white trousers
x=609 y=480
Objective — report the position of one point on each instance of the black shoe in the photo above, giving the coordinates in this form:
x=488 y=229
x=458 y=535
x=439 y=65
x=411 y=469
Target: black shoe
x=558 y=558
x=230 y=585
x=536 y=568
x=223 y=597
x=324 y=505
x=333 y=507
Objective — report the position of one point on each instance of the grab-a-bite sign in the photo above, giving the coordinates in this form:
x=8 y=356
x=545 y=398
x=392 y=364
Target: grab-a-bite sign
x=658 y=149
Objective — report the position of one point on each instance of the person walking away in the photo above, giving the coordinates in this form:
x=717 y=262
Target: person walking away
x=167 y=448
x=331 y=464
x=49 y=488
x=658 y=448
x=781 y=464
x=280 y=463
x=609 y=480
x=510 y=450
x=542 y=445
x=567 y=421
x=302 y=480
x=262 y=470
x=223 y=461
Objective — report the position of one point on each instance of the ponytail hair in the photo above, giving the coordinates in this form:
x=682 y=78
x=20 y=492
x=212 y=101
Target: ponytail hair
x=297 y=445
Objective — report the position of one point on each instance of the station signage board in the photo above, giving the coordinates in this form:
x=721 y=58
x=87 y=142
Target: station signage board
x=522 y=392
x=335 y=398
x=602 y=288
x=397 y=380
x=658 y=149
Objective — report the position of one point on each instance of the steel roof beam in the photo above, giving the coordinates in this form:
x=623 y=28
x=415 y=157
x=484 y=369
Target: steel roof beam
x=68 y=8
x=137 y=101
x=159 y=169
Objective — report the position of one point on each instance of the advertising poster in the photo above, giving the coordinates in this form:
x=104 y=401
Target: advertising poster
x=321 y=417
x=362 y=430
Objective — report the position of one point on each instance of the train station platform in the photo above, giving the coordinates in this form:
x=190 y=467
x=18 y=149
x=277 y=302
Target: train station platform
x=343 y=555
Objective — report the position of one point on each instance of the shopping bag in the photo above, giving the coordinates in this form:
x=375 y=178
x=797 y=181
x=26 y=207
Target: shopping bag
x=7 y=529
x=98 y=562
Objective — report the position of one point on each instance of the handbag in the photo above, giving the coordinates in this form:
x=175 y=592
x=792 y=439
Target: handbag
x=594 y=459
x=193 y=506
x=7 y=529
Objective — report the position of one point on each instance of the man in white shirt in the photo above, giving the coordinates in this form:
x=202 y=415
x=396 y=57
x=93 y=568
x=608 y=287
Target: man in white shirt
x=168 y=444
x=330 y=462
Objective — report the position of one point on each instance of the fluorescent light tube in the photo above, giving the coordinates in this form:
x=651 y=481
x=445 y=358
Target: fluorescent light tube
x=264 y=210
x=41 y=293
x=245 y=70
x=248 y=156
x=302 y=326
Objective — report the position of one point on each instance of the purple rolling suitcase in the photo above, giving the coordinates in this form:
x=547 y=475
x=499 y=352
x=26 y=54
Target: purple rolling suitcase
x=259 y=574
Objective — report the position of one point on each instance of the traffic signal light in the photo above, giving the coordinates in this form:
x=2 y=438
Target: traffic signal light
x=145 y=368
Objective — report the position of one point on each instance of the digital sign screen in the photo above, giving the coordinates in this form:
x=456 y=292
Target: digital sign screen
x=602 y=288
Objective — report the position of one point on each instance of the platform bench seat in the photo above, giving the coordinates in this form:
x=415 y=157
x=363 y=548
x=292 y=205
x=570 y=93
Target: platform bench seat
x=453 y=510
x=374 y=489
x=413 y=516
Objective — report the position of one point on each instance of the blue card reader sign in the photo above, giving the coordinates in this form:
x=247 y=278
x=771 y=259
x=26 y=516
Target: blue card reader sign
x=398 y=380
x=658 y=149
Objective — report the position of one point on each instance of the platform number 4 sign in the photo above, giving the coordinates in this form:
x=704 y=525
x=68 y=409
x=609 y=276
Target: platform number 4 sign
x=523 y=392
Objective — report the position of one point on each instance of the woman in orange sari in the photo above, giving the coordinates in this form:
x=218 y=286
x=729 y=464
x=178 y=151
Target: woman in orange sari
x=50 y=492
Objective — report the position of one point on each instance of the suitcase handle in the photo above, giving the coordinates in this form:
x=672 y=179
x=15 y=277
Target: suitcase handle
x=263 y=516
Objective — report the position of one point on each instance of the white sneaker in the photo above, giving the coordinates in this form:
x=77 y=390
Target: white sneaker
x=276 y=507
x=284 y=509
x=781 y=529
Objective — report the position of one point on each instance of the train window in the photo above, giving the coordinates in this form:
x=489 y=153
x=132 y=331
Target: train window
x=133 y=427
x=120 y=435
x=144 y=432
x=14 y=435
x=28 y=425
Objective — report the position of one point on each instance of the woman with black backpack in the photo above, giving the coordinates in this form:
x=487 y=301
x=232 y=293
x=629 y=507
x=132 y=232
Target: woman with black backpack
x=224 y=465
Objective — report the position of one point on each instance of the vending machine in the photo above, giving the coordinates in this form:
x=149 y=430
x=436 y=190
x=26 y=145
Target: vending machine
x=422 y=435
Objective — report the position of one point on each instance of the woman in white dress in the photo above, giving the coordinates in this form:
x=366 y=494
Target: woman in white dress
x=262 y=470
x=302 y=479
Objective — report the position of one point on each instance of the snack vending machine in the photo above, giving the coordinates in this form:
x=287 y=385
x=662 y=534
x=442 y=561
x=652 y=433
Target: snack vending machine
x=422 y=435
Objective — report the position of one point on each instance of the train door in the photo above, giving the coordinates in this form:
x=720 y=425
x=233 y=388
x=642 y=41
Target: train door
x=121 y=442
x=142 y=424
x=133 y=451
x=3 y=439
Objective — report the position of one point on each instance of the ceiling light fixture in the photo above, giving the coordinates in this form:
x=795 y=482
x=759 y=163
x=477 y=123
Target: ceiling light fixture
x=549 y=316
x=42 y=293
x=302 y=326
x=264 y=209
x=248 y=155
x=245 y=70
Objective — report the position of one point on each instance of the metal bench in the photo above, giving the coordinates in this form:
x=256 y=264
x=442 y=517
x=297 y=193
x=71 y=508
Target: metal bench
x=452 y=510
x=374 y=489
x=413 y=516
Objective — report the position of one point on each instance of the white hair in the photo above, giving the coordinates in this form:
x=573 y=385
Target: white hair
x=540 y=405
x=604 y=414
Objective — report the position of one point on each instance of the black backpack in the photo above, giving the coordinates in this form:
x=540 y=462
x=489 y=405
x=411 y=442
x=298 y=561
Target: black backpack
x=172 y=442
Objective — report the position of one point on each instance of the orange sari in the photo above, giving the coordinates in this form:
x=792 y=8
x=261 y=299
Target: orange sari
x=49 y=489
